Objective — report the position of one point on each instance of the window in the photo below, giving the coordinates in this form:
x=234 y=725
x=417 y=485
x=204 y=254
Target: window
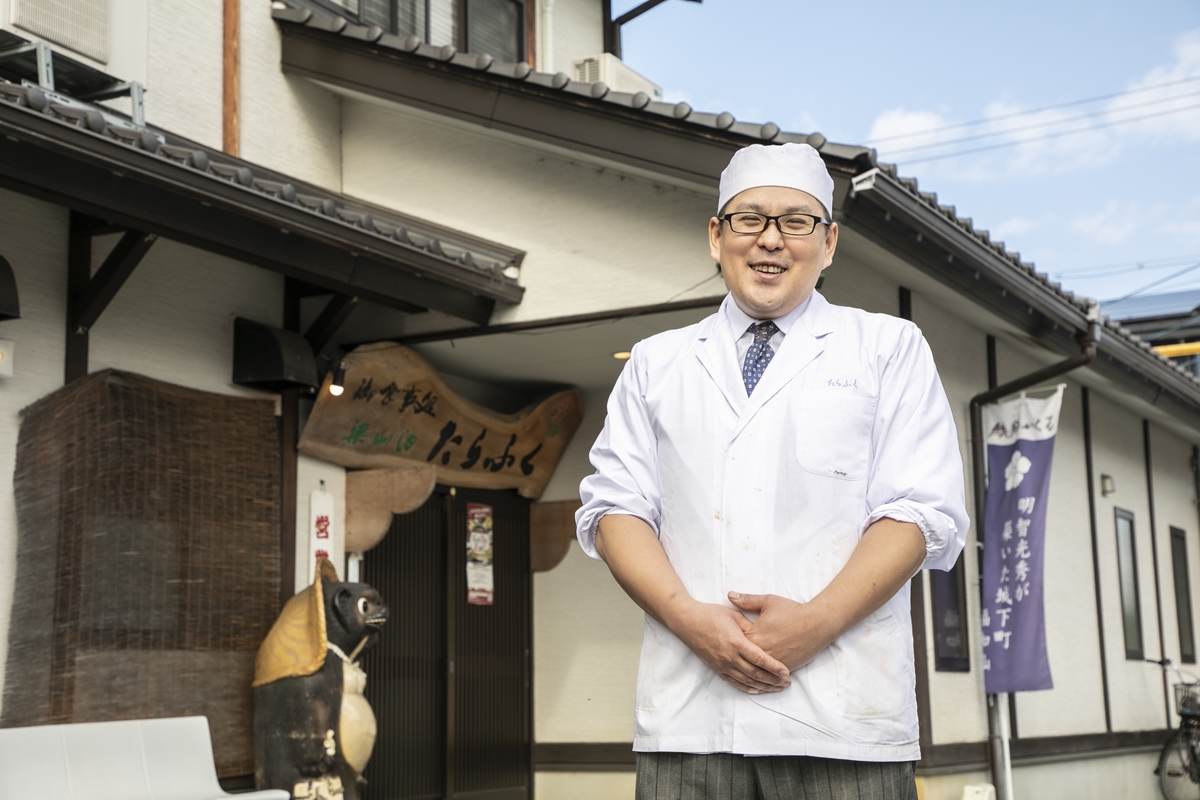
x=949 y=619
x=410 y=18
x=494 y=27
x=1131 y=610
x=1183 y=596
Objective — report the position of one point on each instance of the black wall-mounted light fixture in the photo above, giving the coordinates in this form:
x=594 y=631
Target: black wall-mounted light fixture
x=1107 y=485
x=271 y=359
x=10 y=305
x=338 y=384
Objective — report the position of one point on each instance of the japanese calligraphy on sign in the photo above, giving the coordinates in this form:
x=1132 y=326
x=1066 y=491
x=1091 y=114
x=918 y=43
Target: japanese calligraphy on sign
x=396 y=408
x=1020 y=452
x=320 y=529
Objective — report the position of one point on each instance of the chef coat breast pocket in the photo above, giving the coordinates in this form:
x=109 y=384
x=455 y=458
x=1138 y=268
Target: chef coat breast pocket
x=833 y=434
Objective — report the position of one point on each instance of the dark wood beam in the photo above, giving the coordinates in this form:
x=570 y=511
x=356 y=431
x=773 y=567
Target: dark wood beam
x=555 y=322
x=79 y=274
x=289 y=436
x=108 y=280
x=332 y=317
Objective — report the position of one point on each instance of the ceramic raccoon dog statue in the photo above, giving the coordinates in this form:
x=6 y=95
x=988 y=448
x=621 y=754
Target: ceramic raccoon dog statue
x=313 y=728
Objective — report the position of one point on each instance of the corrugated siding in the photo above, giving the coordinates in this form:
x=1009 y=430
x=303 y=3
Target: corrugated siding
x=492 y=658
x=81 y=25
x=482 y=718
x=406 y=669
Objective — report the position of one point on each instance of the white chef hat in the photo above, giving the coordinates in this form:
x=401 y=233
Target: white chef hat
x=796 y=166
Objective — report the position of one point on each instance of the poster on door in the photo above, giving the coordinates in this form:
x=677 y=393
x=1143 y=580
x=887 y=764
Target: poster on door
x=480 y=589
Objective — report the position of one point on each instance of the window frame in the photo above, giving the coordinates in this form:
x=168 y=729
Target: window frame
x=1183 y=604
x=463 y=13
x=464 y=36
x=1131 y=653
x=947 y=658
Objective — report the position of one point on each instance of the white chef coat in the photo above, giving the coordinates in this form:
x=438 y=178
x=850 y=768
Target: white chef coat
x=770 y=494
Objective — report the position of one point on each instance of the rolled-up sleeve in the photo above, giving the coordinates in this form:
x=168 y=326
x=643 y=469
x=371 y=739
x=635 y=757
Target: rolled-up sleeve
x=625 y=456
x=917 y=473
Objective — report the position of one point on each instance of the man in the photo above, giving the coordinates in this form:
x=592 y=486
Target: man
x=767 y=482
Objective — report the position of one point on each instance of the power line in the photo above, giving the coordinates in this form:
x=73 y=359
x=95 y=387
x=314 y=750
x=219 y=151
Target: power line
x=1122 y=268
x=1055 y=135
x=1036 y=126
x=1152 y=284
x=1016 y=114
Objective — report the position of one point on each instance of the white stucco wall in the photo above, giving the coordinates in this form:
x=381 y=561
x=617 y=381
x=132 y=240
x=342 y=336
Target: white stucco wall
x=1136 y=691
x=578 y=32
x=1174 y=507
x=587 y=637
x=288 y=124
x=957 y=710
x=173 y=318
x=596 y=239
x=184 y=63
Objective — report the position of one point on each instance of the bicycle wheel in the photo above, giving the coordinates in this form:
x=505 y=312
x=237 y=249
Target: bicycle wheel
x=1179 y=766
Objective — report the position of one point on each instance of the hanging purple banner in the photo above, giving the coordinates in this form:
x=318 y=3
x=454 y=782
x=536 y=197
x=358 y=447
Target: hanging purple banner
x=1020 y=451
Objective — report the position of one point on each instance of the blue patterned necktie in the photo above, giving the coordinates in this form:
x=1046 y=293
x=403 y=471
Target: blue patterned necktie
x=759 y=354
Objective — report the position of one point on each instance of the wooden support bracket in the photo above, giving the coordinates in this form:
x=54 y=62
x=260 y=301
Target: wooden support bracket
x=331 y=318
x=88 y=295
x=108 y=280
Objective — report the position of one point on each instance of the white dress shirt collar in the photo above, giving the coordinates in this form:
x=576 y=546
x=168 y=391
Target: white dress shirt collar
x=740 y=321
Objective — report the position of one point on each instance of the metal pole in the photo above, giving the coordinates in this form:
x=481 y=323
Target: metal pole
x=1001 y=761
x=1000 y=757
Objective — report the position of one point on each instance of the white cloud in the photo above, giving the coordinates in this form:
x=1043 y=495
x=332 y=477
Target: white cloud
x=896 y=123
x=1183 y=126
x=1012 y=227
x=1053 y=141
x=1186 y=227
x=1109 y=226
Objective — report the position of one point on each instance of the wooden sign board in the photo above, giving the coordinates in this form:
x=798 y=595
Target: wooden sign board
x=395 y=409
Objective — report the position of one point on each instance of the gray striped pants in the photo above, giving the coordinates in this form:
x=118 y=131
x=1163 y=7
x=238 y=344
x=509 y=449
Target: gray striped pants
x=726 y=776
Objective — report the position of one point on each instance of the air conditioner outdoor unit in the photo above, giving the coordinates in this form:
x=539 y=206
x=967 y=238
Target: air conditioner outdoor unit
x=615 y=74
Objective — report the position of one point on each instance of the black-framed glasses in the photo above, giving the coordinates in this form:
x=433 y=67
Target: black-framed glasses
x=788 y=224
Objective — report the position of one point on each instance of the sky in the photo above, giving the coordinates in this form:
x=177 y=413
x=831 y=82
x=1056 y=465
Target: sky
x=1102 y=196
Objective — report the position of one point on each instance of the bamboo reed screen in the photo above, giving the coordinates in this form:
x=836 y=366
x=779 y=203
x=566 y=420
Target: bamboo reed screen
x=147 y=557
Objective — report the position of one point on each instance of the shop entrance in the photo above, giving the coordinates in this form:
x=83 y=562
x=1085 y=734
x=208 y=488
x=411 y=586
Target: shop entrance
x=450 y=682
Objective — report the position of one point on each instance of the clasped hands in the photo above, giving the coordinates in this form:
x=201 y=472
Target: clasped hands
x=755 y=657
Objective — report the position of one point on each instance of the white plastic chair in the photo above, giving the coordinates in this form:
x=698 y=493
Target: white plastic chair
x=147 y=759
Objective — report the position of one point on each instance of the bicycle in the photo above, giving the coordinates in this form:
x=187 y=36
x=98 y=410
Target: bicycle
x=1179 y=765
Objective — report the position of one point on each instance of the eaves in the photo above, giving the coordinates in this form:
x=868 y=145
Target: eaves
x=235 y=209
x=678 y=141
x=666 y=138
x=890 y=211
